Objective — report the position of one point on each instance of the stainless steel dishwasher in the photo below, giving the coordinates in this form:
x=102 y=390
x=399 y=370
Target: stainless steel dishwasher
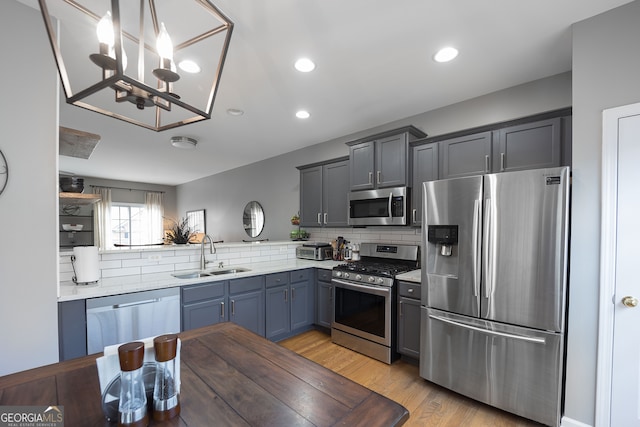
x=123 y=318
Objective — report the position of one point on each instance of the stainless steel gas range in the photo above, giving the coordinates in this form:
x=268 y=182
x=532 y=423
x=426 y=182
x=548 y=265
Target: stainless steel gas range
x=364 y=311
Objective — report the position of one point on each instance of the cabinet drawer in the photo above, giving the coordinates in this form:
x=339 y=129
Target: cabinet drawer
x=276 y=279
x=409 y=290
x=324 y=275
x=300 y=275
x=247 y=284
x=202 y=292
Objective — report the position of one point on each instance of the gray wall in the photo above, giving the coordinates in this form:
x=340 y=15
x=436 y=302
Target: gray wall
x=275 y=182
x=28 y=206
x=606 y=73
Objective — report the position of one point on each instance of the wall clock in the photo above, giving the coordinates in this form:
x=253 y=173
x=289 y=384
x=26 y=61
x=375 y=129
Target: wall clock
x=4 y=172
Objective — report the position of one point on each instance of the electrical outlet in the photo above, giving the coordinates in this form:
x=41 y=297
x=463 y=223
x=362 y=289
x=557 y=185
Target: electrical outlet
x=155 y=257
x=283 y=249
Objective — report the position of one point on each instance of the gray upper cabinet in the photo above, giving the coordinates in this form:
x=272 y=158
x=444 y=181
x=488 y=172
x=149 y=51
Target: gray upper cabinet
x=425 y=168
x=361 y=167
x=528 y=146
x=534 y=145
x=466 y=155
x=381 y=161
x=323 y=194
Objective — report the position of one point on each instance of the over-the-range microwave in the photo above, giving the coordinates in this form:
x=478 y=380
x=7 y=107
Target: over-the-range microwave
x=385 y=206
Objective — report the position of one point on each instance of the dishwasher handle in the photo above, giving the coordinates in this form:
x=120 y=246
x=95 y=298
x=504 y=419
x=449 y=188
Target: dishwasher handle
x=133 y=304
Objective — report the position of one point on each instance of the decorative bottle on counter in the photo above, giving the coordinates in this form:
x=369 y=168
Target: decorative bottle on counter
x=132 y=409
x=166 y=403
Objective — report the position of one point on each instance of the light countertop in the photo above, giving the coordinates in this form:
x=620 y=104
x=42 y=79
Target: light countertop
x=144 y=282
x=410 y=276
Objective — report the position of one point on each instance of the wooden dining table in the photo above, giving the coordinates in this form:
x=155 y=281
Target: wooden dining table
x=230 y=377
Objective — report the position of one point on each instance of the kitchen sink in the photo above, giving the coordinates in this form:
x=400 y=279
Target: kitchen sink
x=194 y=275
x=198 y=274
x=228 y=271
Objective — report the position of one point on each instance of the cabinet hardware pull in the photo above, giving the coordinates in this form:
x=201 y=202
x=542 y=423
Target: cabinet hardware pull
x=285 y=295
x=370 y=177
x=501 y=162
x=400 y=308
x=233 y=307
x=486 y=163
x=222 y=309
x=379 y=177
x=293 y=294
x=319 y=220
x=325 y=218
x=414 y=214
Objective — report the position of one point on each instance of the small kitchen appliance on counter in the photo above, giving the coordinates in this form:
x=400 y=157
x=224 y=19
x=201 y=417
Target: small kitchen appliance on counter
x=316 y=251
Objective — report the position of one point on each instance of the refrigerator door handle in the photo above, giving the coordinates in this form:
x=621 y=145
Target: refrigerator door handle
x=477 y=248
x=536 y=340
x=488 y=249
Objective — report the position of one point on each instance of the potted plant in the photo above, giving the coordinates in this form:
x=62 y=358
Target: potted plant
x=180 y=232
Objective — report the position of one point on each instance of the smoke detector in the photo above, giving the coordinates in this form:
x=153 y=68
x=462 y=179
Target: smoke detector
x=184 y=142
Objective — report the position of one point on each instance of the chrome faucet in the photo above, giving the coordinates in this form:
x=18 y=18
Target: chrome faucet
x=212 y=250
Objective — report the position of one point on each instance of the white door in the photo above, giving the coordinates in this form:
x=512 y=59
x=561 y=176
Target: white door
x=620 y=283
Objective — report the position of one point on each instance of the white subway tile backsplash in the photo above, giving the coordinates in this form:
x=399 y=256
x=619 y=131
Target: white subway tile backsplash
x=121 y=272
x=157 y=268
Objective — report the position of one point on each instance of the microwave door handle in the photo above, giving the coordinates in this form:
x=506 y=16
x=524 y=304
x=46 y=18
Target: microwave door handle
x=390 y=201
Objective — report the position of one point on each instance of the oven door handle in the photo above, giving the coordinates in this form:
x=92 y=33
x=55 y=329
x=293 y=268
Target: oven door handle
x=376 y=290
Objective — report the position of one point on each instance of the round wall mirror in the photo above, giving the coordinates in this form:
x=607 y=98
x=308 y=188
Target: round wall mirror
x=253 y=219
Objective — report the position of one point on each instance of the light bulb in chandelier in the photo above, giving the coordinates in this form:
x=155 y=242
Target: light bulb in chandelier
x=166 y=70
x=106 y=58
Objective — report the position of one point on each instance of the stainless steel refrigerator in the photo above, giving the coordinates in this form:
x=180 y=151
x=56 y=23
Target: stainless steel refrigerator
x=494 y=285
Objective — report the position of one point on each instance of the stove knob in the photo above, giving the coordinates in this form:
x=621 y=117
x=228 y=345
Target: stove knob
x=345 y=275
x=358 y=277
x=338 y=273
x=371 y=279
x=380 y=280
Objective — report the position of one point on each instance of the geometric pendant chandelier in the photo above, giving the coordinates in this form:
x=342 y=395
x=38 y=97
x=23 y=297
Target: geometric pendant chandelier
x=153 y=63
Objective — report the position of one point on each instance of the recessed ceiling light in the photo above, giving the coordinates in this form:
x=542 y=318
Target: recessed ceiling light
x=302 y=114
x=189 y=66
x=445 y=54
x=304 y=65
x=234 y=112
x=184 y=142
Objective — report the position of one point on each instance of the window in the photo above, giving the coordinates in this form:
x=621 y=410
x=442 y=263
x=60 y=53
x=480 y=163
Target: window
x=128 y=224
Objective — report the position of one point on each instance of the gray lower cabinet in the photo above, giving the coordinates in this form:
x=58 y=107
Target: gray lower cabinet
x=289 y=303
x=204 y=304
x=246 y=303
x=323 y=194
x=72 y=329
x=425 y=168
x=324 y=298
x=409 y=319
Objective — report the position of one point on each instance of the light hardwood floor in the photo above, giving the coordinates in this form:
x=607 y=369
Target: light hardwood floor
x=428 y=404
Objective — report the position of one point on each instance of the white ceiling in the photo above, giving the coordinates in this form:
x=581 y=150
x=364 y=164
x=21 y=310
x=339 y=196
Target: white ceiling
x=374 y=66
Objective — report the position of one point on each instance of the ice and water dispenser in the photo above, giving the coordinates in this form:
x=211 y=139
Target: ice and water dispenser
x=442 y=264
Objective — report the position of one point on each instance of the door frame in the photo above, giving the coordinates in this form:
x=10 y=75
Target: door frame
x=608 y=241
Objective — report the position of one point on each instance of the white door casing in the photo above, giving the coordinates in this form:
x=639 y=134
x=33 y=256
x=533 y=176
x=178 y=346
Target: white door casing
x=618 y=371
